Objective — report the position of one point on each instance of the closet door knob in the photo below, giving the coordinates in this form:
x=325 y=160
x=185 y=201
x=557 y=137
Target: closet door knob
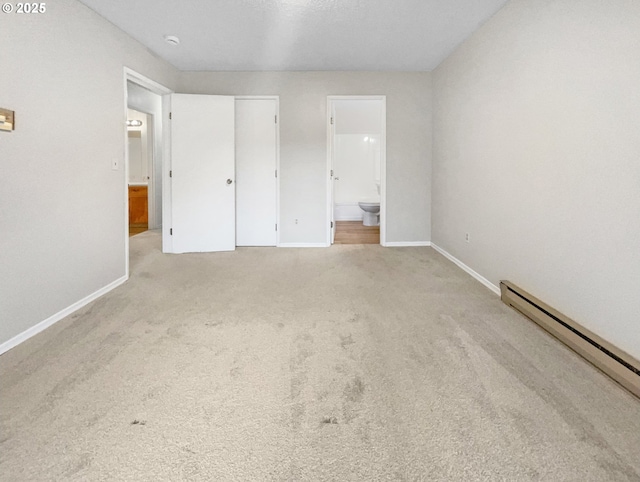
x=229 y=181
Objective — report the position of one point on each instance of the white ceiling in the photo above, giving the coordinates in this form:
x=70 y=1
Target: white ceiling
x=262 y=35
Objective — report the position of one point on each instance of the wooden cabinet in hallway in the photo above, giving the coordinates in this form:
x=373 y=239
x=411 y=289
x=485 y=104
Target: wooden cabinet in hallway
x=138 y=209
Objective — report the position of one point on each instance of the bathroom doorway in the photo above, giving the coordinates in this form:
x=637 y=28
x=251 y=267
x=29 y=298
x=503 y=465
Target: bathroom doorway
x=356 y=169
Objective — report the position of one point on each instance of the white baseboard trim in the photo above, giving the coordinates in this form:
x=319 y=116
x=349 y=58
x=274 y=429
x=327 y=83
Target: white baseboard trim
x=34 y=330
x=405 y=244
x=466 y=268
x=303 y=245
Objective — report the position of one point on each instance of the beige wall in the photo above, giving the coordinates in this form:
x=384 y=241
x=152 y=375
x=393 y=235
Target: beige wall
x=62 y=215
x=537 y=156
x=303 y=141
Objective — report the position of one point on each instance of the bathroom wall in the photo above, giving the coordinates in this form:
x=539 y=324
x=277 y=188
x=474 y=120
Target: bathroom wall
x=356 y=169
x=356 y=162
x=303 y=138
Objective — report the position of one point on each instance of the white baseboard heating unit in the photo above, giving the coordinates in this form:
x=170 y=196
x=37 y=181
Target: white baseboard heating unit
x=613 y=361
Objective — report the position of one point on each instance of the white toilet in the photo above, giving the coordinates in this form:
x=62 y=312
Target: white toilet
x=371 y=215
x=371 y=210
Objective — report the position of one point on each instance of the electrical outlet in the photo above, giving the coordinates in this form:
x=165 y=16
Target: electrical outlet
x=296 y=221
x=466 y=237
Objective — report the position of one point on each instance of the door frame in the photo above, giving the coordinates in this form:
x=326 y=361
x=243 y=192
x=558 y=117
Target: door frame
x=383 y=164
x=277 y=99
x=130 y=75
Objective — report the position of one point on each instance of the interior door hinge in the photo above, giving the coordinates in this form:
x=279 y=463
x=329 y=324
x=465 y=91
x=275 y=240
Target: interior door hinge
x=276 y=119
x=170 y=173
x=331 y=224
x=331 y=175
x=276 y=173
x=171 y=113
x=332 y=121
x=276 y=227
x=171 y=231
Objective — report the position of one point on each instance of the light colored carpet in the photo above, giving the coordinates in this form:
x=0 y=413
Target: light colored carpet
x=346 y=363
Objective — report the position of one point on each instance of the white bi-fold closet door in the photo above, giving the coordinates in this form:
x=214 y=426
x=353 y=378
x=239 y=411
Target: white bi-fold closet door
x=256 y=171
x=205 y=166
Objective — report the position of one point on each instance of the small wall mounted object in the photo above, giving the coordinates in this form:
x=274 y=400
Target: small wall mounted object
x=7 y=120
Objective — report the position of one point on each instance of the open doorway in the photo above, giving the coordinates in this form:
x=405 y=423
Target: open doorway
x=140 y=149
x=356 y=163
x=144 y=101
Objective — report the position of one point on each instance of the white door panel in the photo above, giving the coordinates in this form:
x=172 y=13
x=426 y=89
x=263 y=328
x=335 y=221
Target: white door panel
x=202 y=162
x=256 y=161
